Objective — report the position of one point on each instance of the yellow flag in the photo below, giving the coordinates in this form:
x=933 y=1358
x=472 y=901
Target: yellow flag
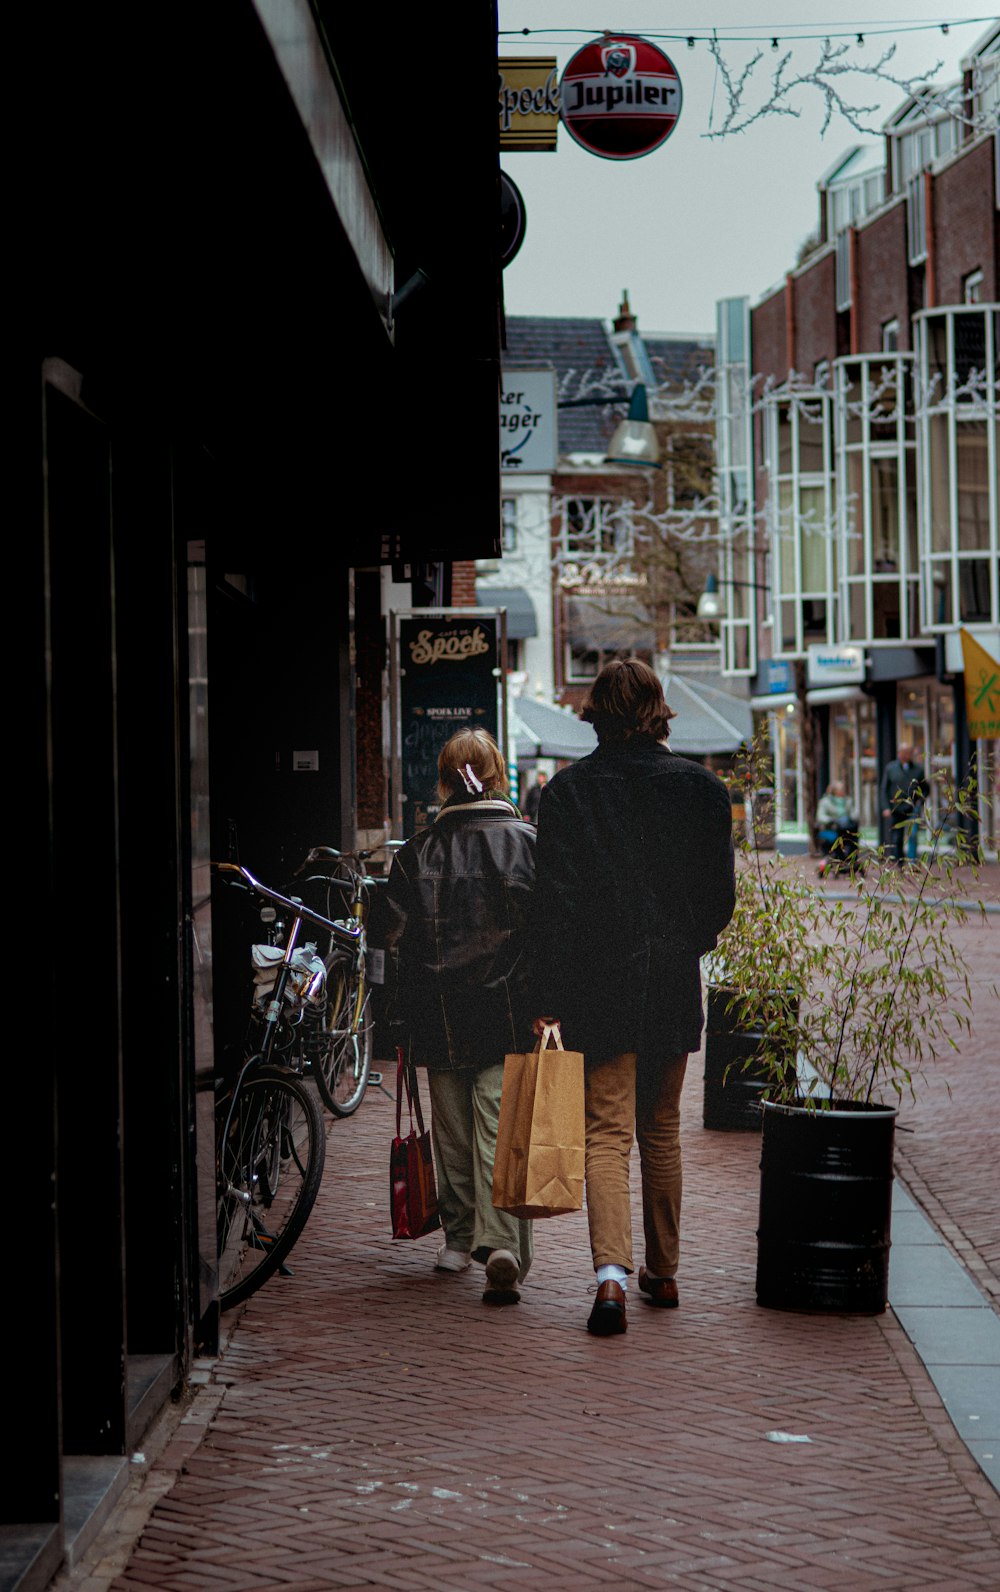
x=982 y=689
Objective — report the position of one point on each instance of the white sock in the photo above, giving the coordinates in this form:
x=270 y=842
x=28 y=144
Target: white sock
x=616 y=1274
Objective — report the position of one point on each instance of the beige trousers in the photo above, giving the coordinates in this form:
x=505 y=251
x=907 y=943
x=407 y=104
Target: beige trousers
x=465 y=1110
x=622 y=1107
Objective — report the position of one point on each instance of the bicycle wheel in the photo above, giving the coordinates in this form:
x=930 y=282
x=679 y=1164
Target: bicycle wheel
x=342 y=1056
x=270 y=1162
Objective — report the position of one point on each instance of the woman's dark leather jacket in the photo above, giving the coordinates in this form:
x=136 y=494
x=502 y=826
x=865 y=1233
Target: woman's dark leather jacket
x=457 y=968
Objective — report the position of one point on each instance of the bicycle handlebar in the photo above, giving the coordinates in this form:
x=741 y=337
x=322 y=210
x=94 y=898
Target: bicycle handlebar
x=344 y=935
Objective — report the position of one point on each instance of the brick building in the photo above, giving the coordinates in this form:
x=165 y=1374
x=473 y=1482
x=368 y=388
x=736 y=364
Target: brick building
x=870 y=536
x=603 y=558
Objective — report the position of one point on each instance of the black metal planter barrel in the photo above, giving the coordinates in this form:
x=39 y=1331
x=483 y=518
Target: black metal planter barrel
x=732 y=1088
x=825 y=1208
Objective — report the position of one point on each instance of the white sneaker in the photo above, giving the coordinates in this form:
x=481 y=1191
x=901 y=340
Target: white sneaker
x=501 y=1279
x=452 y=1259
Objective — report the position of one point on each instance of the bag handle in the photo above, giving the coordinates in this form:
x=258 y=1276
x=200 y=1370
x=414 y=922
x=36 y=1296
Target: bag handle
x=406 y=1078
x=550 y=1031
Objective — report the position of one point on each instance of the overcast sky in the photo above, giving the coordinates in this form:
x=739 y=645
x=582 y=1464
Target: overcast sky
x=701 y=218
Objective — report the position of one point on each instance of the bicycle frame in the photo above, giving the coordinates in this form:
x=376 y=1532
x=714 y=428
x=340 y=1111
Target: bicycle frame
x=345 y=937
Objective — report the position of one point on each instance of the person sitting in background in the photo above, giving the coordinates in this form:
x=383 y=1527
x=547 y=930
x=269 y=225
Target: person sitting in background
x=837 y=824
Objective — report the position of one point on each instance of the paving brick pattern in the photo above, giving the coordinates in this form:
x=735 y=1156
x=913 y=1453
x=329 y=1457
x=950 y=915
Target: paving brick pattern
x=380 y=1428
x=949 y=1154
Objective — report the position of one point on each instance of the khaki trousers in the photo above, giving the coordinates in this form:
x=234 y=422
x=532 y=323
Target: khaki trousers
x=465 y=1111
x=623 y=1105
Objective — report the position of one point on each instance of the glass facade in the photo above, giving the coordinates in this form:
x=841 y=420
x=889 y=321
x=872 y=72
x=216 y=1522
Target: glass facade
x=801 y=518
x=959 y=451
x=734 y=449
x=877 y=499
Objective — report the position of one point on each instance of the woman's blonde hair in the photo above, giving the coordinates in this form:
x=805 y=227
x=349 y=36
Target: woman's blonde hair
x=472 y=752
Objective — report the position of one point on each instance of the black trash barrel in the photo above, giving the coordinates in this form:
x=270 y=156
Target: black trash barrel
x=825 y=1208
x=732 y=1089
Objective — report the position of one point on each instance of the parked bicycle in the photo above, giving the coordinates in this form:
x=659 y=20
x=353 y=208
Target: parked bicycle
x=337 y=1033
x=271 y=1143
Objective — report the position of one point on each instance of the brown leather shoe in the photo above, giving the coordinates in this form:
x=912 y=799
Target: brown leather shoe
x=661 y=1291
x=608 y=1315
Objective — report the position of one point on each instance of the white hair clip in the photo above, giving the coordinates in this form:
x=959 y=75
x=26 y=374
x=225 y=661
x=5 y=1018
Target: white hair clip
x=472 y=784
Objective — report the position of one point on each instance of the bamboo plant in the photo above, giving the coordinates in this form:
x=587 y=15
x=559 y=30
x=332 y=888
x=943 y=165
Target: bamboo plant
x=851 y=997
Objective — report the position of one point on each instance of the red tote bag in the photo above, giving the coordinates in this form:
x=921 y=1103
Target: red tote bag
x=412 y=1190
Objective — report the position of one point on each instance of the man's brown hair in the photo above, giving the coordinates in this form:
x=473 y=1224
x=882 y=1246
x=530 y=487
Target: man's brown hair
x=626 y=702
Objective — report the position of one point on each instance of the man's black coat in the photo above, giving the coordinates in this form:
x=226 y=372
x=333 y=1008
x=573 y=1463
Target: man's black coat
x=634 y=883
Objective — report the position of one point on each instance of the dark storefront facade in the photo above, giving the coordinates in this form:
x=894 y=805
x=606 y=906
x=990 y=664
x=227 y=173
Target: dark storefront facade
x=213 y=438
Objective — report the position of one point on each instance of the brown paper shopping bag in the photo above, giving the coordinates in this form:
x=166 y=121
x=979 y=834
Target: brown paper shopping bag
x=538 y=1169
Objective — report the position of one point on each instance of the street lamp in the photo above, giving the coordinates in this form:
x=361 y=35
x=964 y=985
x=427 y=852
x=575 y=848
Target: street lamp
x=712 y=604
x=634 y=439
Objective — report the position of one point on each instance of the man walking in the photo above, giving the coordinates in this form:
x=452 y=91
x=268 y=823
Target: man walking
x=635 y=881
x=903 y=790
x=534 y=796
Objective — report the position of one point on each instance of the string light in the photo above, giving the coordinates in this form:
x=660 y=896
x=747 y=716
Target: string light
x=690 y=43
x=861 y=38
x=873 y=30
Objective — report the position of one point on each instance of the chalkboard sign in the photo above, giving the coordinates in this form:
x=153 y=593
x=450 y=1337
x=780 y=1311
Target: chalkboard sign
x=448 y=667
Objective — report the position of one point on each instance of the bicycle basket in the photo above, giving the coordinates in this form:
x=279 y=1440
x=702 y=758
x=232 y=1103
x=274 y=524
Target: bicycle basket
x=306 y=979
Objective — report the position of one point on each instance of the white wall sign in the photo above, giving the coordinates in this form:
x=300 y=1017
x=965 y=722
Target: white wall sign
x=528 y=422
x=835 y=665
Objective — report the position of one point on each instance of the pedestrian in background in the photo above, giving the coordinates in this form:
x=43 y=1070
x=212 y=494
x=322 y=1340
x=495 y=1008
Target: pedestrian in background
x=534 y=796
x=903 y=789
x=457 y=906
x=635 y=882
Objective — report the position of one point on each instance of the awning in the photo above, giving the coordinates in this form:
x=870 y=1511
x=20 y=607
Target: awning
x=772 y=703
x=835 y=693
x=708 y=719
x=540 y=730
x=522 y=620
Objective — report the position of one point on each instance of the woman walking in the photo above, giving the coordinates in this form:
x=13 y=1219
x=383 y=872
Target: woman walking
x=458 y=899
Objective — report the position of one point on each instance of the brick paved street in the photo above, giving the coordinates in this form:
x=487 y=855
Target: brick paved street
x=376 y=1427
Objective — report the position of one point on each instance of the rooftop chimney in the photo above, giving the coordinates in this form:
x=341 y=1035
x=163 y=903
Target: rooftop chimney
x=625 y=321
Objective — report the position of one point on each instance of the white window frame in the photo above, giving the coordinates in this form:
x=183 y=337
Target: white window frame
x=916 y=220
x=933 y=403
x=798 y=481
x=856 y=519
x=611 y=522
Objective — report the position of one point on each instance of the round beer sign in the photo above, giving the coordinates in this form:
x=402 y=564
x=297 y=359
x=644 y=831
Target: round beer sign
x=620 y=97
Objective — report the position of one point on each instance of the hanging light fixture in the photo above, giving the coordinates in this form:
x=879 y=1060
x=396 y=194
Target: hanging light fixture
x=711 y=603
x=634 y=440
